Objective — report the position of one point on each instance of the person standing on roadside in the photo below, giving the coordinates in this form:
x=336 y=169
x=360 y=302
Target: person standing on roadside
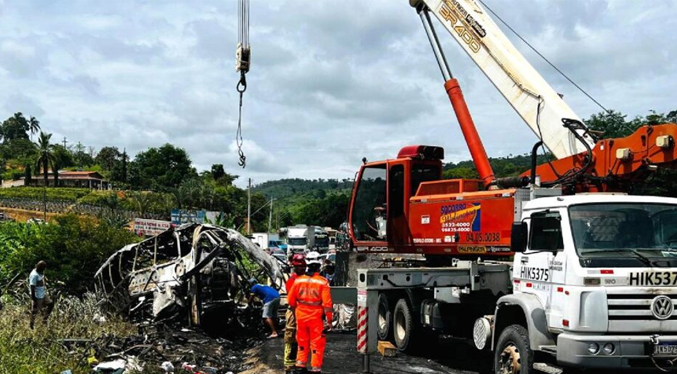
x=41 y=301
x=271 y=303
x=311 y=300
x=298 y=261
x=328 y=272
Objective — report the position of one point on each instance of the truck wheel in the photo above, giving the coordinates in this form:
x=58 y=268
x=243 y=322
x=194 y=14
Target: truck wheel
x=513 y=355
x=404 y=326
x=384 y=318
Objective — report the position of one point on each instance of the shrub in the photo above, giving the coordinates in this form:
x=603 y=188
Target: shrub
x=36 y=193
x=73 y=246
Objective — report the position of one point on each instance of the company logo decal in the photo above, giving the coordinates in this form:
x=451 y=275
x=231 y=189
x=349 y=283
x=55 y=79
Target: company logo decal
x=662 y=307
x=472 y=249
x=462 y=217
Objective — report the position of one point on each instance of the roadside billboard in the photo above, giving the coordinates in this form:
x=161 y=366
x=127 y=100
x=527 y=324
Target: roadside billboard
x=181 y=216
x=150 y=227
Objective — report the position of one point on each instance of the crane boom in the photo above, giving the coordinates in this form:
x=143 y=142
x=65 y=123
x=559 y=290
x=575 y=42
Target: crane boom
x=522 y=86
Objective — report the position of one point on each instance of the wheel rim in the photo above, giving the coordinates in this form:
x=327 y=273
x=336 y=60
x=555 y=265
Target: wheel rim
x=382 y=320
x=509 y=360
x=400 y=327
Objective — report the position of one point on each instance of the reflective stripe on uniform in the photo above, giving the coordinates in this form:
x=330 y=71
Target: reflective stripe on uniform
x=309 y=303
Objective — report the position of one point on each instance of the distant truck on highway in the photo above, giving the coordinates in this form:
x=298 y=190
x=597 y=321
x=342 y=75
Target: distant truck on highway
x=297 y=239
x=303 y=238
x=321 y=239
x=272 y=244
x=266 y=240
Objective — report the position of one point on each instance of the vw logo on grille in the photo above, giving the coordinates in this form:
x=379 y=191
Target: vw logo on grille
x=662 y=307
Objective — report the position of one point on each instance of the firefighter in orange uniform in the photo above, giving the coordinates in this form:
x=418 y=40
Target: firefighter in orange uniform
x=311 y=300
x=298 y=261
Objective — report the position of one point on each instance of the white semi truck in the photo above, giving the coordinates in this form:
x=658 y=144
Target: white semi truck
x=266 y=240
x=303 y=238
x=298 y=240
x=592 y=285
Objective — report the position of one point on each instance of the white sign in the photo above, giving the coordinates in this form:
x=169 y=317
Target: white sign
x=150 y=227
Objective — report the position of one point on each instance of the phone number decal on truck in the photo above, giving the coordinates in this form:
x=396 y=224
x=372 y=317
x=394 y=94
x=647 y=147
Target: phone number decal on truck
x=461 y=217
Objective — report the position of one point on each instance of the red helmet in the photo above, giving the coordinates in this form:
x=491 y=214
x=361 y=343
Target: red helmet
x=299 y=259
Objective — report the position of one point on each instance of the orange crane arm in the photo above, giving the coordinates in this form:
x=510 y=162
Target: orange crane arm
x=613 y=163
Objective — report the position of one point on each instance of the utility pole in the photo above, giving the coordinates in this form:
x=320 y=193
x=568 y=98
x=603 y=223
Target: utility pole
x=270 y=216
x=65 y=141
x=44 y=203
x=249 y=208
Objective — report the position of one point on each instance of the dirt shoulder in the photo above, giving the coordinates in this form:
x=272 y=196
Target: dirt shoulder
x=341 y=357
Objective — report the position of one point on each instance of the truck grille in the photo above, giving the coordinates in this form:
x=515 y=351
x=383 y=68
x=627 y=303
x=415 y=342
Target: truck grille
x=624 y=308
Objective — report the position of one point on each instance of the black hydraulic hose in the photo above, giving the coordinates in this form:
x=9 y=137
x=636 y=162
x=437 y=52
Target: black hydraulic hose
x=534 y=158
x=573 y=125
x=512 y=182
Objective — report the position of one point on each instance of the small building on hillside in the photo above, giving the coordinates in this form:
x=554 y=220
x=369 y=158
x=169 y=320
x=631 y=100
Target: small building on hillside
x=78 y=179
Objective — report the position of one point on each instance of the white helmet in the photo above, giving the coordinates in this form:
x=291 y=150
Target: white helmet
x=313 y=258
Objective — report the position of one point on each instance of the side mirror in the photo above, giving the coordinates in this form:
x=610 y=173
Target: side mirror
x=518 y=237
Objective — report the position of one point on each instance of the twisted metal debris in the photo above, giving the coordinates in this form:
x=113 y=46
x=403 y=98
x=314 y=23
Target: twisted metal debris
x=191 y=268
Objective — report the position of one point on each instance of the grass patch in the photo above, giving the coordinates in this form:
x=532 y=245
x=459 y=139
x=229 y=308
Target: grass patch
x=40 y=351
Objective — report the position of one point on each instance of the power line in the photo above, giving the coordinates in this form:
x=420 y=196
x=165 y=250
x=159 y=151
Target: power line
x=543 y=57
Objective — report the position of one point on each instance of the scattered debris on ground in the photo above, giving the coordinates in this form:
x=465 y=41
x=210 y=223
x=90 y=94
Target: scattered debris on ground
x=161 y=348
x=186 y=290
x=81 y=338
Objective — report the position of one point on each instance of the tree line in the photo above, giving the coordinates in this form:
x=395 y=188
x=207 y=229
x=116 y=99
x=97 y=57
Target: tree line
x=164 y=176
x=325 y=202
x=156 y=178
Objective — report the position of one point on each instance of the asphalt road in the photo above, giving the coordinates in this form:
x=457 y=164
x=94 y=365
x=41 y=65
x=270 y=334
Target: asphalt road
x=341 y=357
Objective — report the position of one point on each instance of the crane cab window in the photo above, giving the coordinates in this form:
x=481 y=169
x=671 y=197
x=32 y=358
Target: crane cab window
x=423 y=173
x=369 y=211
x=396 y=191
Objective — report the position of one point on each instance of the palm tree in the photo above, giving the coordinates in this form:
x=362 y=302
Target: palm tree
x=46 y=156
x=111 y=202
x=143 y=202
x=33 y=126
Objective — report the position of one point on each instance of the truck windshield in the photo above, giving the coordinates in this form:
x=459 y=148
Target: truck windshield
x=322 y=242
x=640 y=231
x=296 y=241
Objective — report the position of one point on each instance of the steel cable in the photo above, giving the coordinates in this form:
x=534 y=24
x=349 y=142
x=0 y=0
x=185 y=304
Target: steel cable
x=243 y=56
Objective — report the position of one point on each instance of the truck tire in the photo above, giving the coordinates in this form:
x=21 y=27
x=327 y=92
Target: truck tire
x=385 y=320
x=405 y=329
x=513 y=354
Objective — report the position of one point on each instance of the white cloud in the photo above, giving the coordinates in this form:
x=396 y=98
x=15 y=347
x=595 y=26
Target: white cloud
x=331 y=81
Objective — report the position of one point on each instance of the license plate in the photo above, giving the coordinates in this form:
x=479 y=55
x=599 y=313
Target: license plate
x=667 y=349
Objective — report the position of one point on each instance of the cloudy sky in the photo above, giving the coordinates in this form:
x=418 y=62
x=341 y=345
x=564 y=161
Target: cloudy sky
x=332 y=81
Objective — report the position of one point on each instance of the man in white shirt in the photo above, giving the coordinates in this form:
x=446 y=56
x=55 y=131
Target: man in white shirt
x=36 y=280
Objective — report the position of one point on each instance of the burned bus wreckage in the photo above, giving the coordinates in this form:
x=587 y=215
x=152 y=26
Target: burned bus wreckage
x=187 y=270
